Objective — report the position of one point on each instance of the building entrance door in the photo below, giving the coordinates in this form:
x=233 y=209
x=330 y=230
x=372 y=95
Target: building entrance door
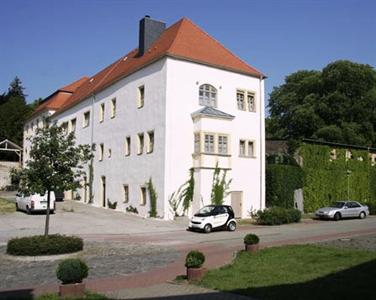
x=103 y=178
x=236 y=203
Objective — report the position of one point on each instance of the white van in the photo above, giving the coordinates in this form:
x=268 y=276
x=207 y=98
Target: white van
x=35 y=202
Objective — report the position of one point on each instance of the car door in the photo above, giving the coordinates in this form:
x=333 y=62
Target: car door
x=220 y=217
x=355 y=209
x=346 y=210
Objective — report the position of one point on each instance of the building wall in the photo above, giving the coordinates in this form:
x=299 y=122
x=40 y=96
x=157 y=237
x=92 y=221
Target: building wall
x=5 y=168
x=183 y=81
x=133 y=170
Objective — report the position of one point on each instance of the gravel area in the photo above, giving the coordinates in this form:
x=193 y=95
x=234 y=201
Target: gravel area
x=103 y=259
x=361 y=243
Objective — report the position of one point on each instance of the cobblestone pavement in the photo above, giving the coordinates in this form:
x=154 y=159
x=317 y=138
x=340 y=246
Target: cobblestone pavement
x=104 y=260
x=360 y=242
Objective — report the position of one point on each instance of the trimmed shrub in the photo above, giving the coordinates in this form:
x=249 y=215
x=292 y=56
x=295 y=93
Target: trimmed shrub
x=72 y=270
x=194 y=259
x=251 y=239
x=278 y=216
x=41 y=245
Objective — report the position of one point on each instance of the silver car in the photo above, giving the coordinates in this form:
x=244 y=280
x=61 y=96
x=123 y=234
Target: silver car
x=343 y=209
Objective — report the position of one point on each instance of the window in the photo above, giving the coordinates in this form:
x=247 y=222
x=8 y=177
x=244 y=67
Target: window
x=222 y=144
x=251 y=101
x=101 y=113
x=141 y=97
x=126 y=193
x=207 y=95
x=86 y=119
x=109 y=153
x=101 y=150
x=209 y=143
x=64 y=126
x=127 y=146
x=150 y=135
x=113 y=108
x=242 y=148
x=140 y=145
x=250 y=149
x=143 y=195
x=197 y=146
x=240 y=100
x=73 y=125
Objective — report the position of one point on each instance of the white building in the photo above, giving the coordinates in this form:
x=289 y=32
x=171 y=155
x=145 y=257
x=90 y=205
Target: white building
x=180 y=100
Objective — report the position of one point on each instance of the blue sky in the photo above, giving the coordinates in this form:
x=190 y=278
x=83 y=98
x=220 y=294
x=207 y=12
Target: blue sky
x=49 y=44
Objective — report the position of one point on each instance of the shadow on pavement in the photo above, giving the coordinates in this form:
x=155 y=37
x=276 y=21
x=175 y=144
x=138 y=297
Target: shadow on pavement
x=25 y=294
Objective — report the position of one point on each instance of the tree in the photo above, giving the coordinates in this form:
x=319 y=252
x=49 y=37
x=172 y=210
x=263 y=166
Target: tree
x=56 y=163
x=337 y=104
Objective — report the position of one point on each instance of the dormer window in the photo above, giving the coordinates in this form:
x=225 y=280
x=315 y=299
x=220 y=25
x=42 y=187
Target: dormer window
x=208 y=95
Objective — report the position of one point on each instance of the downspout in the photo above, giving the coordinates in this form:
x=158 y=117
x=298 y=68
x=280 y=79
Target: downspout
x=261 y=145
x=91 y=167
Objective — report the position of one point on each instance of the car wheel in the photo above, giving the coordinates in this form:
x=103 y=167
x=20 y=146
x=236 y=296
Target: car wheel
x=28 y=210
x=207 y=228
x=231 y=226
x=17 y=209
x=362 y=215
x=337 y=216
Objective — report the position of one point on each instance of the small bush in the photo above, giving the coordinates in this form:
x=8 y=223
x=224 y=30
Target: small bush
x=278 y=216
x=372 y=208
x=111 y=205
x=72 y=270
x=41 y=245
x=194 y=259
x=251 y=239
x=132 y=209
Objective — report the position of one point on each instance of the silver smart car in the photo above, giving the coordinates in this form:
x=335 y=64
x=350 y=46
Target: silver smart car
x=343 y=209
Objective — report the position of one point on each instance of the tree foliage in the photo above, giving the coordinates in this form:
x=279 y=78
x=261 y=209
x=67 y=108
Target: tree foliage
x=337 y=104
x=56 y=163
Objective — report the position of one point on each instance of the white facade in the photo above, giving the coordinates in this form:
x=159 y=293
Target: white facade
x=171 y=95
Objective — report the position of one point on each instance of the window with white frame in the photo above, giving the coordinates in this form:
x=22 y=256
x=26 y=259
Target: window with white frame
x=125 y=193
x=222 y=144
x=73 y=125
x=143 y=196
x=140 y=146
x=101 y=150
x=197 y=142
x=101 y=112
x=113 y=108
x=86 y=120
x=245 y=100
x=242 y=148
x=141 y=97
x=207 y=95
x=127 y=146
x=209 y=143
x=150 y=135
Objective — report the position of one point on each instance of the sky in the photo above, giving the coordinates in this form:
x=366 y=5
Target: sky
x=50 y=43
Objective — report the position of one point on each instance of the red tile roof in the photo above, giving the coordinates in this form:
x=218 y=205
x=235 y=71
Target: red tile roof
x=184 y=40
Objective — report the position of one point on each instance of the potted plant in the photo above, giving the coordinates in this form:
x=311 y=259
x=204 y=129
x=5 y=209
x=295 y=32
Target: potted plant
x=251 y=242
x=193 y=262
x=71 y=272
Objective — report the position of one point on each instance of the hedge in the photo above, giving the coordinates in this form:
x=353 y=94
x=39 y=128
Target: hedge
x=41 y=245
x=278 y=216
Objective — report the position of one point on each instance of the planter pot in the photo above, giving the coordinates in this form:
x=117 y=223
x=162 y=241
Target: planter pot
x=251 y=248
x=195 y=273
x=72 y=290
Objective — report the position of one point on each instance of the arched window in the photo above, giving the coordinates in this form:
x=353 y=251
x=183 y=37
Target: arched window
x=208 y=95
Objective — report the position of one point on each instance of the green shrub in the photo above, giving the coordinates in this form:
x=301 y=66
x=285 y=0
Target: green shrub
x=132 y=209
x=41 y=245
x=111 y=205
x=251 y=239
x=71 y=270
x=278 y=216
x=194 y=259
x=372 y=208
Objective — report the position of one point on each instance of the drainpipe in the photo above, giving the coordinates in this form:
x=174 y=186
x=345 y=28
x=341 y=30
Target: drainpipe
x=261 y=145
x=91 y=169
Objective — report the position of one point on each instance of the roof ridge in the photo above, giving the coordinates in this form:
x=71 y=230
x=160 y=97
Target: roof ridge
x=220 y=44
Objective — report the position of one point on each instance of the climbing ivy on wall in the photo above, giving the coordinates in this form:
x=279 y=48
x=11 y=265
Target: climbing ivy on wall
x=327 y=179
x=282 y=179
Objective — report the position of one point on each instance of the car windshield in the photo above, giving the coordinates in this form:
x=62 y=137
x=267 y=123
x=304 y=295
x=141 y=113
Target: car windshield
x=206 y=210
x=338 y=204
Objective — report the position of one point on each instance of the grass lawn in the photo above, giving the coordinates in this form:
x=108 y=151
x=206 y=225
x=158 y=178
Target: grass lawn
x=298 y=272
x=6 y=206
